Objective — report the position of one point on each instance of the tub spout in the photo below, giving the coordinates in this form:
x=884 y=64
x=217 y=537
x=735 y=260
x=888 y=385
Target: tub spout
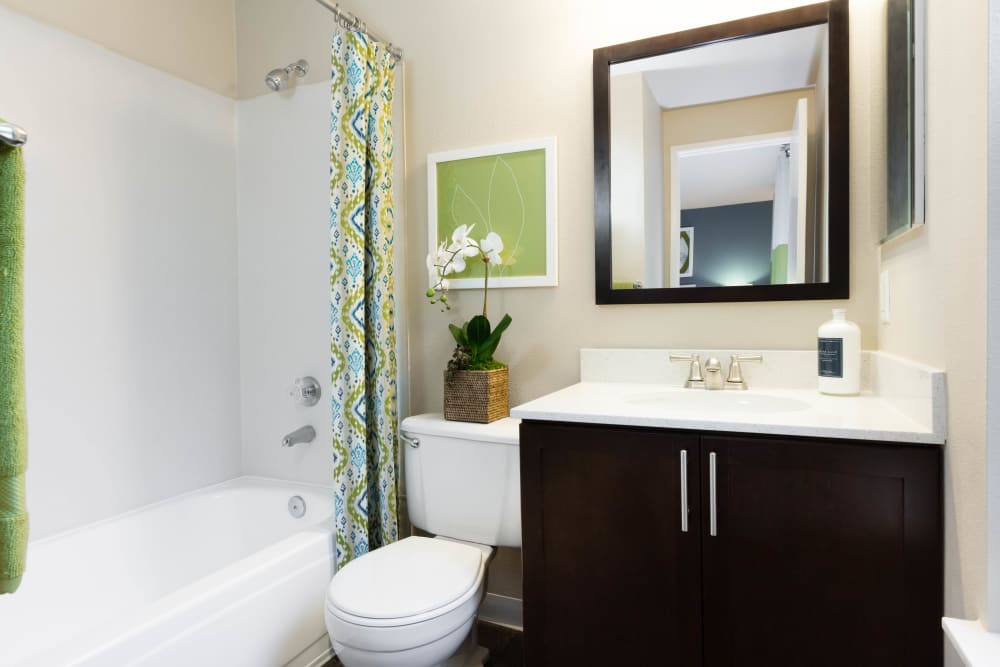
x=301 y=435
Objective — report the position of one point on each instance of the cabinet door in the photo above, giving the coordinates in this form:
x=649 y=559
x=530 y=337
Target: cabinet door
x=826 y=554
x=610 y=577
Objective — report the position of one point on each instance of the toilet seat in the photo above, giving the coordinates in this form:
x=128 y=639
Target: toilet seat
x=406 y=579
x=407 y=594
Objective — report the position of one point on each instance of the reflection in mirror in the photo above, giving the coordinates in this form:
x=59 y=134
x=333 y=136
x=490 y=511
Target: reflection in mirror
x=723 y=141
x=718 y=162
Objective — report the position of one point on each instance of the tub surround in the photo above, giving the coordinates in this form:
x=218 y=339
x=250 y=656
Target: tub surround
x=901 y=401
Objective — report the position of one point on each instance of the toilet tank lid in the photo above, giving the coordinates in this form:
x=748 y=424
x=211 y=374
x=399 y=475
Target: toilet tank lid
x=505 y=431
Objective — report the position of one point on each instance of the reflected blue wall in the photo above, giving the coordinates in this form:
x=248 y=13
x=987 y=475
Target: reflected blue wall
x=732 y=244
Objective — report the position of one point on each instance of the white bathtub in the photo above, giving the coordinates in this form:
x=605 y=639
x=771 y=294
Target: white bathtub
x=220 y=576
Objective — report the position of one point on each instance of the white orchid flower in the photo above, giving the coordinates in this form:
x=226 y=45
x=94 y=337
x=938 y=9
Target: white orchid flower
x=492 y=246
x=456 y=265
x=461 y=234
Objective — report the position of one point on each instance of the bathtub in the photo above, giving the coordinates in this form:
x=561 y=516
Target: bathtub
x=224 y=575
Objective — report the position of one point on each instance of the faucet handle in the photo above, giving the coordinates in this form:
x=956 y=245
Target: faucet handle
x=735 y=376
x=694 y=378
x=306 y=391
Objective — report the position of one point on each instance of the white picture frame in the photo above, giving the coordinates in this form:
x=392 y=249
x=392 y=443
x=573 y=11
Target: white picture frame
x=441 y=218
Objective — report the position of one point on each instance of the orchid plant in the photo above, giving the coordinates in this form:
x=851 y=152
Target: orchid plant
x=475 y=340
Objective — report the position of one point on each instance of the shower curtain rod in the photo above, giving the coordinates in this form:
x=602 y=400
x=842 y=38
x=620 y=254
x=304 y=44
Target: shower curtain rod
x=12 y=135
x=349 y=21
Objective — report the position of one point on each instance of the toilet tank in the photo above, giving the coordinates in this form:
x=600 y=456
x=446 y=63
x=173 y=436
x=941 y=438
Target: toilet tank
x=463 y=480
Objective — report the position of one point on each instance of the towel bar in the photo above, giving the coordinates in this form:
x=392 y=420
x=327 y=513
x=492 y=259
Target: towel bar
x=12 y=135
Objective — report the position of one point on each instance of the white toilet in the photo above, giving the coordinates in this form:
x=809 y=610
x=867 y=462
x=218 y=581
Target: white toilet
x=413 y=603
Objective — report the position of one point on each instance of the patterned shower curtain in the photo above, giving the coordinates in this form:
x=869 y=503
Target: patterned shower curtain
x=362 y=301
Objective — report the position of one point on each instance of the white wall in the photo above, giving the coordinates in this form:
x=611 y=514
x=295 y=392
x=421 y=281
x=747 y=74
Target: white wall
x=284 y=258
x=130 y=304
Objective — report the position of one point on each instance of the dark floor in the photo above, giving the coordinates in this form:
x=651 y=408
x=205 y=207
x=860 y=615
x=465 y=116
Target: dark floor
x=506 y=646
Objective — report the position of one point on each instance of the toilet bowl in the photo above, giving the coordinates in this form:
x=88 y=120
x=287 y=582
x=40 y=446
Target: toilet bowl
x=409 y=604
x=413 y=603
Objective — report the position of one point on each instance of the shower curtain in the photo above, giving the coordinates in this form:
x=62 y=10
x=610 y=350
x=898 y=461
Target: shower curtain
x=362 y=301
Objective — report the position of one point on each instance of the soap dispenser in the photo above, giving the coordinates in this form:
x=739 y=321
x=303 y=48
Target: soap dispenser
x=839 y=355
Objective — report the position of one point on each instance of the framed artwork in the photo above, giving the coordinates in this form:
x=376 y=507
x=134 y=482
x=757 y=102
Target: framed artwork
x=686 y=250
x=509 y=189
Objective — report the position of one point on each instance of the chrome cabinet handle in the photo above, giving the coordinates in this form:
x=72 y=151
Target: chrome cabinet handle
x=684 y=491
x=713 y=526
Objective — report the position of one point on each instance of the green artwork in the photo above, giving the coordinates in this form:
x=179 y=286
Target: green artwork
x=504 y=192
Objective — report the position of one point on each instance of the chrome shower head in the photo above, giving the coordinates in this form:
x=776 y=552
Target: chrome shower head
x=277 y=79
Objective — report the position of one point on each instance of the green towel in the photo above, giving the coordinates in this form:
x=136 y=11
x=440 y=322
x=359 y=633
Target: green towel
x=13 y=419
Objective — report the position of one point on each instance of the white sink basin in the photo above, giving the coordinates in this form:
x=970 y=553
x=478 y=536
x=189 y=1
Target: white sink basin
x=721 y=401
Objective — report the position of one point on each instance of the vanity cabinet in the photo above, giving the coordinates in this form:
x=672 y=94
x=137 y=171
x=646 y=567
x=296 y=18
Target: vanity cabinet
x=819 y=553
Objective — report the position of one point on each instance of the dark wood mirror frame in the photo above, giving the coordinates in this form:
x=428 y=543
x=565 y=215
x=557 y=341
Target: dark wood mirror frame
x=835 y=14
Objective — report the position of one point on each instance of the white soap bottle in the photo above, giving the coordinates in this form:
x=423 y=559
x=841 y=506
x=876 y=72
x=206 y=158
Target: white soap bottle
x=839 y=355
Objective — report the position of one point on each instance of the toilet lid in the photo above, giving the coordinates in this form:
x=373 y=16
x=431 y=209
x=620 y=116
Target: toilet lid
x=410 y=577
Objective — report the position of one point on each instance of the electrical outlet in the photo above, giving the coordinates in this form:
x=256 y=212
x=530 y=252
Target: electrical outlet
x=883 y=297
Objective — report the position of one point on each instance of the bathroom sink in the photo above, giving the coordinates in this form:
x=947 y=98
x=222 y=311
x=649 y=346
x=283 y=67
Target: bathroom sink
x=703 y=400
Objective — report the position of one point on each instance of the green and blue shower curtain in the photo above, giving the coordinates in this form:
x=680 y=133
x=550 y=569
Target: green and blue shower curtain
x=13 y=419
x=362 y=301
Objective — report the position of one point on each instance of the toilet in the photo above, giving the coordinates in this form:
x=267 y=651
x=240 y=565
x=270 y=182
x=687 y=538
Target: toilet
x=413 y=603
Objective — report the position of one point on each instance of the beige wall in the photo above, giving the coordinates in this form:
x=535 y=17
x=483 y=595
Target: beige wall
x=191 y=39
x=938 y=280
x=543 y=87
x=482 y=73
x=273 y=33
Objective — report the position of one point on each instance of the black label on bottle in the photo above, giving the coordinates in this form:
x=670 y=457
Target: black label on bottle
x=831 y=357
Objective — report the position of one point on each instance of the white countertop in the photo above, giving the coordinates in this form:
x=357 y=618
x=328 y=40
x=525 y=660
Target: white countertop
x=911 y=414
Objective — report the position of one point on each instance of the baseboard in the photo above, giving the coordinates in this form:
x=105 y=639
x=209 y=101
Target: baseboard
x=502 y=610
x=496 y=609
x=316 y=655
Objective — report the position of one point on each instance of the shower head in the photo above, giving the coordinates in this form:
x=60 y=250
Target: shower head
x=277 y=79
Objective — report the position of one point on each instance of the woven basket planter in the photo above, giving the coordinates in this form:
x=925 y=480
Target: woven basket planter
x=476 y=396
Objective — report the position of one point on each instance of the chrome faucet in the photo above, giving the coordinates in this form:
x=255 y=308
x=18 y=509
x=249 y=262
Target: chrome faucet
x=298 y=436
x=713 y=374
x=712 y=377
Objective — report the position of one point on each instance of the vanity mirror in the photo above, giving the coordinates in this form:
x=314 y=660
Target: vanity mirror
x=721 y=161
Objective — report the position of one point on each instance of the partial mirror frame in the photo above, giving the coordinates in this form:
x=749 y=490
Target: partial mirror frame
x=678 y=88
x=905 y=116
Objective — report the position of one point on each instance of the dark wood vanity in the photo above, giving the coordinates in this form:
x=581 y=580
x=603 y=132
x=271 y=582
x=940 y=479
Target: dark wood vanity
x=818 y=552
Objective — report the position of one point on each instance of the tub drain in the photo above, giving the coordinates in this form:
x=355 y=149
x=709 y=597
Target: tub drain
x=297 y=507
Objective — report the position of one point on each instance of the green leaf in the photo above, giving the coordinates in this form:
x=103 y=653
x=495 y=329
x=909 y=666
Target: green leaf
x=493 y=341
x=459 y=335
x=477 y=332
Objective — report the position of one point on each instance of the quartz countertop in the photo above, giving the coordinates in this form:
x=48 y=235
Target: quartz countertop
x=902 y=402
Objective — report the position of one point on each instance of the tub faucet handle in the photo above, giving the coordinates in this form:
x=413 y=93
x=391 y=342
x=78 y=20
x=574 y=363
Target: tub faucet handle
x=306 y=391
